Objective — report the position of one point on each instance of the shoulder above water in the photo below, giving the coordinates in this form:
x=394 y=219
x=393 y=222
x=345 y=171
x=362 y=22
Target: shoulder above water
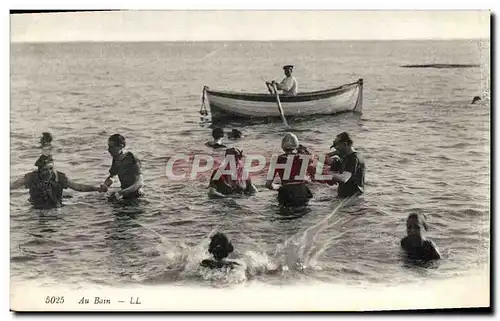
x=212 y=264
x=215 y=145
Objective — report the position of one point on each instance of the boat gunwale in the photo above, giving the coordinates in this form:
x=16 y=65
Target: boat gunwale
x=319 y=94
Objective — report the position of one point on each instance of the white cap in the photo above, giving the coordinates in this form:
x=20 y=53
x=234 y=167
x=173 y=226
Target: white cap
x=289 y=142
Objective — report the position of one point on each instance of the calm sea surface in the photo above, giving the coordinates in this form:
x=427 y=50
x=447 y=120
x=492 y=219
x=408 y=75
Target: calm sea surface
x=426 y=149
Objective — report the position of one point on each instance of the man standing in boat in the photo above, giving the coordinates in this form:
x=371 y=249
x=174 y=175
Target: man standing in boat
x=289 y=84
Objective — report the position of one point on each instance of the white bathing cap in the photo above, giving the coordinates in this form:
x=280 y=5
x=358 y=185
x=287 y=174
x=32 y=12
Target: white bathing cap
x=289 y=142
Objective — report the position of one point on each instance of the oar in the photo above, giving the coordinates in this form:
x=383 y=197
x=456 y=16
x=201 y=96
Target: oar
x=282 y=114
x=267 y=85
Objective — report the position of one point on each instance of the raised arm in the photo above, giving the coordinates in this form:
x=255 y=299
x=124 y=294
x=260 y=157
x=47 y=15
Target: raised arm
x=18 y=183
x=434 y=252
x=270 y=185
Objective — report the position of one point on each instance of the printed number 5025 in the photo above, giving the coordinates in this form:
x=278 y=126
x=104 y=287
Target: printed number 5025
x=54 y=300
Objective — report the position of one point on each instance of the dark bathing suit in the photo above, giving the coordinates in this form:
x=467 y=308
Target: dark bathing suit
x=425 y=252
x=127 y=169
x=226 y=185
x=46 y=194
x=354 y=164
x=293 y=192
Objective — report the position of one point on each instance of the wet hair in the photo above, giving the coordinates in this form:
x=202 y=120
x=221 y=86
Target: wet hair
x=344 y=138
x=43 y=160
x=419 y=218
x=117 y=139
x=46 y=139
x=217 y=133
x=234 y=134
x=476 y=98
x=220 y=247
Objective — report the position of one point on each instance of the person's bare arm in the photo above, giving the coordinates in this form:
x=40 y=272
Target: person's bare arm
x=108 y=181
x=435 y=255
x=213 y=191
x=139 y=182
x=286 y=84
x=270 y=185
x=83 y=187
x=341 y=178
x=18 y=183
x=250 y=187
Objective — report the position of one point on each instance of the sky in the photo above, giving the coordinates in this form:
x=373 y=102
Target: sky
x=163 y=25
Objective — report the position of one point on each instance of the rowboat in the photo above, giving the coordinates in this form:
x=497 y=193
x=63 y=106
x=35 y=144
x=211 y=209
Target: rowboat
x=233 y=105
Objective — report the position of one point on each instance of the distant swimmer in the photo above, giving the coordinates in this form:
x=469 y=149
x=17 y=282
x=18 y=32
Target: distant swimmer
x=348 y=167
x=46 y=143
x=128 y=168
x=234 y=134
x=225 y=184
x=46 y=185
x=415 y=244
x=219 y=248
x=475 y=99
x=218 y=135
x=293 y=191
x=289 y=84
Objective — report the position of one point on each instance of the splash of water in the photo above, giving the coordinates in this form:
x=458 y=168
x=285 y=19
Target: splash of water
x=298 y=252
x=301 y=250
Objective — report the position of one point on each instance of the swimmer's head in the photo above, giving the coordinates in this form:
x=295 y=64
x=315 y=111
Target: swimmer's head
x=290 y=142
x=217 y=133
x=46 y=139
x=475 y=99
x=45 y=165
x=415 y=225
x=220 y=247
x=116 y=144
x=342 y=143
x=234 y=134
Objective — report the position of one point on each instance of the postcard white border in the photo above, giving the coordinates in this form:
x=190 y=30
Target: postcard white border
x=181 y=5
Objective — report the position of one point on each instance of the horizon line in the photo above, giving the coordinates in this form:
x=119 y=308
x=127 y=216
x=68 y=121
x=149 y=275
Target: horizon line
x=237 y=40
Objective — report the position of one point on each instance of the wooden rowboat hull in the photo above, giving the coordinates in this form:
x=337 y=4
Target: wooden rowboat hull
x=345 y=98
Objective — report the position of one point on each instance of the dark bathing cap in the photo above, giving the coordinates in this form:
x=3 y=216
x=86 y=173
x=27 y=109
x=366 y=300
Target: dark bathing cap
x=220 y=246
x=46 y=139
x=419 y=218
x=218 y=132
x=117 y=139
x=342 y=138
x=43 y=160
x=288 y=67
